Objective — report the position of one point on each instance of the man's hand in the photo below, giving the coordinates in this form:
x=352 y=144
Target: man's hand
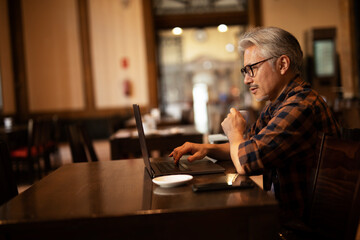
x=197 y=151
x=234 y=125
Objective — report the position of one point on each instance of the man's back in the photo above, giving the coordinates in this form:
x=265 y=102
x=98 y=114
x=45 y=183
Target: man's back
x=286 y=134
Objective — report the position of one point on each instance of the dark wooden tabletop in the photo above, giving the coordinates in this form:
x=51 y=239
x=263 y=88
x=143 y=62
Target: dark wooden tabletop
x=117 y=199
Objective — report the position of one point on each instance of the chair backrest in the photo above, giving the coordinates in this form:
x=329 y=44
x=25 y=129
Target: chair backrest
x=335 y=205
x=46 y=126
x=35 y=134
x=352 y=134
x=8 y=187
x=31 y=131
x=81 y=145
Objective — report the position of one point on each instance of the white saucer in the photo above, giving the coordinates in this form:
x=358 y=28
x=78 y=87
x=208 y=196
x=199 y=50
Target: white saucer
x=172 y=180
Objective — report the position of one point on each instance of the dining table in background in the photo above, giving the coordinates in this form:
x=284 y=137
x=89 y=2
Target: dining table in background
x=118 y=200
x=15 y=135
x=125 y=142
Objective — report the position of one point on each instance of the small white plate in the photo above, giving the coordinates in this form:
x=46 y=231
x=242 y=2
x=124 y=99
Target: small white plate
x=172 y=180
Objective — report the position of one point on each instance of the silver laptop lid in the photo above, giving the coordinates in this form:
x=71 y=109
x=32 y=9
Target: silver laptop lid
x=143 y=146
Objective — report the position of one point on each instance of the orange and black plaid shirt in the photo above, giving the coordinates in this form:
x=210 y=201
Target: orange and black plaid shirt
x=283 y=140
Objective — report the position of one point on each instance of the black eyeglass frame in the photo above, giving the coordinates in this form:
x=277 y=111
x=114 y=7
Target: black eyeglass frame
x=248 y=69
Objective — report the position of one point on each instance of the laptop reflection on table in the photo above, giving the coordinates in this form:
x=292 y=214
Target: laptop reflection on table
x=166 y=166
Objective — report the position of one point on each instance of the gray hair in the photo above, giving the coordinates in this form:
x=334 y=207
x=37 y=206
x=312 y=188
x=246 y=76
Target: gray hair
x=273 y=41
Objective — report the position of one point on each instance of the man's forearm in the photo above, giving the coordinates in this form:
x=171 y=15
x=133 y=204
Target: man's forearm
x=219 y=151
x=234 y=149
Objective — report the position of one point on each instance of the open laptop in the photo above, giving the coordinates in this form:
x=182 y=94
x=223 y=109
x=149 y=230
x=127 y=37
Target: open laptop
x=167 y=167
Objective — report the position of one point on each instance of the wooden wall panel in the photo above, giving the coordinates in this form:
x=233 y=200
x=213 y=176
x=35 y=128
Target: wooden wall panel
x=6 y=71
x=118 y=53
x=53 y=55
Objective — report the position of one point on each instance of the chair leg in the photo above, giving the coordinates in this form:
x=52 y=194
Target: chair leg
x=56 y=159
x=31 y=170
x=16 y=164
x=39 y=172
x=47 y=163
x=34 y=169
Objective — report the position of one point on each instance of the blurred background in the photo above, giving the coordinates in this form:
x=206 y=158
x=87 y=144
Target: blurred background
x=90 y=60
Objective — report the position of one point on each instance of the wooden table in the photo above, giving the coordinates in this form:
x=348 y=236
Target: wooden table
x=117 y=200
x=16 y=136
x=125 y=142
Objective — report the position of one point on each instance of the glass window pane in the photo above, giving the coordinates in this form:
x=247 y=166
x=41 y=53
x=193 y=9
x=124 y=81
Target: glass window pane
x=324 y=53
x=201 y=57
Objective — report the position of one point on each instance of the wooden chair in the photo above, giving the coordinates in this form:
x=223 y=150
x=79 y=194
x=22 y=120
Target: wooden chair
x=31 y=154
x=335 y=206
x=8 y=187
x=352 y=134
x=41 y=144
x=48 y=140
x=82 y=149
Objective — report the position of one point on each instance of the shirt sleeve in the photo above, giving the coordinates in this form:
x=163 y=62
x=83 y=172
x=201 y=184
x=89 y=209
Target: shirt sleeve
x=289 y=132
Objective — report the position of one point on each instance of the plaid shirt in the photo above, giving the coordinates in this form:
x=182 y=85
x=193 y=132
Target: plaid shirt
x=283 y=141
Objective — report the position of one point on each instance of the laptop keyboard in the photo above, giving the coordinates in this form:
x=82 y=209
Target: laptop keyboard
x=170 y=167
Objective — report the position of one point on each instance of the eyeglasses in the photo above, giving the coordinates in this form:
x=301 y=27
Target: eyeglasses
x=248 y=69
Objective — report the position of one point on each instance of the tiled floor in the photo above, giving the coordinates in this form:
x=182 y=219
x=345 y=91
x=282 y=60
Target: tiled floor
x=102 y=148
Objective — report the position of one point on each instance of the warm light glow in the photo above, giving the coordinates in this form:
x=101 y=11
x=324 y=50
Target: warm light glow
x=231 y=177
x=177 y=31
x=201 y=97
x=207 y=65
x=222 y=28
x=230 y=47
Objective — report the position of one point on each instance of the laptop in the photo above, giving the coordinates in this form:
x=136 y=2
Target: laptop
x=167 y=166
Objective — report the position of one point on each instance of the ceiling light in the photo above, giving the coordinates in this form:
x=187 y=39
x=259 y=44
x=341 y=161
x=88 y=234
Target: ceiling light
x=177 y=31
x=222 y=28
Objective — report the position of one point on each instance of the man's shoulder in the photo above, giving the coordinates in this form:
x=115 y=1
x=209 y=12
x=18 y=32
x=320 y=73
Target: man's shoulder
x=303 y=92
x=303 y=98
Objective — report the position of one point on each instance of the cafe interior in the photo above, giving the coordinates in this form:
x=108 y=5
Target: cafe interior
x=71 y=70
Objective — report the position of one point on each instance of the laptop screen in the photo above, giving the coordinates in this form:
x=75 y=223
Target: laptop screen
x=140 y=129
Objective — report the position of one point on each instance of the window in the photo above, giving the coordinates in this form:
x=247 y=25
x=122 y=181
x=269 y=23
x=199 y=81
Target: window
x=200 y=71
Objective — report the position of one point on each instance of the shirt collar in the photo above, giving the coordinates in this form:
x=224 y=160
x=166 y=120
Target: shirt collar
x=293 y=83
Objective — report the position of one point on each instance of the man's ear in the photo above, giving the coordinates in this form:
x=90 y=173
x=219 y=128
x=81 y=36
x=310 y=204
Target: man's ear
x=284 y=64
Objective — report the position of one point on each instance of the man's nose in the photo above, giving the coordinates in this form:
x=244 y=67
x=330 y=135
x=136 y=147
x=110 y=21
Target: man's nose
x=247 y=79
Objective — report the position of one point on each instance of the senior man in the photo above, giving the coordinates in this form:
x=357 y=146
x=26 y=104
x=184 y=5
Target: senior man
x=281 y=143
